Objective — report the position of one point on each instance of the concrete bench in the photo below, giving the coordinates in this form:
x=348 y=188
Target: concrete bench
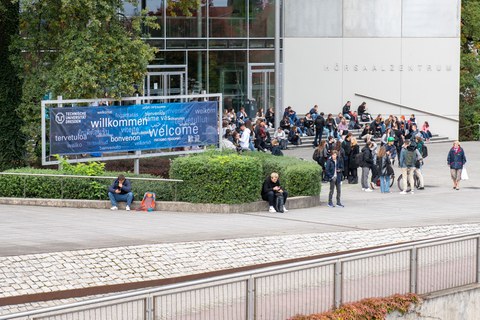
x=169 y=206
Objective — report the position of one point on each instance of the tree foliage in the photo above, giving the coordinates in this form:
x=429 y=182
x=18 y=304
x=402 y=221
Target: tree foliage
x=11 y=142
x=79 y=49
x=470 y=70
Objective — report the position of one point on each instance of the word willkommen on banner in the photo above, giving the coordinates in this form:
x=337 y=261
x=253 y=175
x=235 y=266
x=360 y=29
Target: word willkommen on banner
x=80 y=130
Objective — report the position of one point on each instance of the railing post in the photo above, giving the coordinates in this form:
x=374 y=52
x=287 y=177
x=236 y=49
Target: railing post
x=251 y=298
x=478 y=260
x=175 y=191
x=413 y=270
x=149 y=314
x=24 y=187
x=338 y=284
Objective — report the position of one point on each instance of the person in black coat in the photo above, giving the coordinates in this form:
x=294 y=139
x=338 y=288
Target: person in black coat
x=333 y=174
x=319 y=126
x=367 y=164
x=271 y=186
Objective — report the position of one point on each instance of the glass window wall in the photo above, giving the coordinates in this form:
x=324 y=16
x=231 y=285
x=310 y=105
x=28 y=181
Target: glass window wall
x=228 y=18
x=262 y=18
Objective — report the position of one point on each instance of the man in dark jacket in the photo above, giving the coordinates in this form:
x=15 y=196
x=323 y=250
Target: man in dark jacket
x=333 y=174
x=366 y=164
x=120 y=191
x=272 y=186
x=319 y=125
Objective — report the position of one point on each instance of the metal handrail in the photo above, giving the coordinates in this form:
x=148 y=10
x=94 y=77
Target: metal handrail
x=247 y=275
x=406 y=107
x=79 y=176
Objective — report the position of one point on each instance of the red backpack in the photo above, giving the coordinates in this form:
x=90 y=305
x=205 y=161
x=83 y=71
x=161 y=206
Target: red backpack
x=148 y=202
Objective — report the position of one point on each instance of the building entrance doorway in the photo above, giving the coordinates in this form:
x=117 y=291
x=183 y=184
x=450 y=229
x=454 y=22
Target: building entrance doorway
x=261 y=85
x=165 y=80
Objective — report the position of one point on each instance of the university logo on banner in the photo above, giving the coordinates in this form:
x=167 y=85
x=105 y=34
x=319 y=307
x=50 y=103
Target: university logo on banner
x=80 y=130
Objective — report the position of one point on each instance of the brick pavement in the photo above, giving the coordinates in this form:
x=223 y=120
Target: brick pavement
x=47 y=272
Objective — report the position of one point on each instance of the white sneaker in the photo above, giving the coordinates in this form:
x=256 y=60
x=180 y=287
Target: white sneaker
x=411 y=192
x=272 y=210
x=127 y=208
x=285 y=209
x=403 y=192
x=363 y=189
x=368 y=190
x=114 y=208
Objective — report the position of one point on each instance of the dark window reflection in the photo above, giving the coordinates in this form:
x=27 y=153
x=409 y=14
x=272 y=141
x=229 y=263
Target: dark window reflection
x=228 y=18
x=227 y=75
x=262 y=18
x=197 y=71
x=186 y=23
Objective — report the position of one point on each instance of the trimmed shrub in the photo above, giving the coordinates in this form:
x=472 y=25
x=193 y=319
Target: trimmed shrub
x=76 y=188
x=226 y=177
x=218 y=178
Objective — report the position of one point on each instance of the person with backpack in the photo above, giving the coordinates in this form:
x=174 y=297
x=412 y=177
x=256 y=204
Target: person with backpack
x=319 y=128
x=120 y=191
x=421 y=147
x=272 y=190
x=366 y=162
x=333 y=174
x=408 y=156
x=456 y=160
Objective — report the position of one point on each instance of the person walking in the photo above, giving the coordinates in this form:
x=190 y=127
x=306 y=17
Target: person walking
x=456 y=160
x=333 y=173
x=385 y=169
x=408 y=156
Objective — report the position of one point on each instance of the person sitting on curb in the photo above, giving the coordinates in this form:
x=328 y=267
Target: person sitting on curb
x=271 y=186
x=120 y=191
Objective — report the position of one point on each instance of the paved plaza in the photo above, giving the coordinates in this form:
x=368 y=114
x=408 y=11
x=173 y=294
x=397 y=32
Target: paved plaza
x=44 y=249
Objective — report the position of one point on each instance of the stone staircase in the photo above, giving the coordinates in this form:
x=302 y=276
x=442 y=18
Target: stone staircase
x=307 y=142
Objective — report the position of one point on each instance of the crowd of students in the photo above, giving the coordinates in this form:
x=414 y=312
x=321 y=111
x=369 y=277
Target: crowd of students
x=389 y=140
x=386 y=141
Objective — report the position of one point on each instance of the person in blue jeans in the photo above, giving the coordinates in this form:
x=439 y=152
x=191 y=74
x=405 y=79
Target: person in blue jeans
x=120 y=191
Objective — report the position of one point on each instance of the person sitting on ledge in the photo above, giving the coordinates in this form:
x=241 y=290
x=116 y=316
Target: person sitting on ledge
x=272 y=188
x=120 y=191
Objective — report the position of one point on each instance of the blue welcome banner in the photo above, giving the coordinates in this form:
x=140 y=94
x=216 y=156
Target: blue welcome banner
x=80 y=130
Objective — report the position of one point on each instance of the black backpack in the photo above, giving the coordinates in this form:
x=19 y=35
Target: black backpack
x=279 y=202
x=359 y=159
x=424 y=151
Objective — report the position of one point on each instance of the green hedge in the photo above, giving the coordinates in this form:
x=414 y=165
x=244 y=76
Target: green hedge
x=76 y=188
x=217 y=178
x=224 y=177
x=210 y=177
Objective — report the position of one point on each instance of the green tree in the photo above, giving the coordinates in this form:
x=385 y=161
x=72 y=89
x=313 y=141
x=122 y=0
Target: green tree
x=470 y=70
x=79 y=49
x=12 y=144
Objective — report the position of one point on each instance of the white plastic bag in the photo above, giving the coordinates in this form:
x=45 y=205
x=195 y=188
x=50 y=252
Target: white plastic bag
x=464 y=173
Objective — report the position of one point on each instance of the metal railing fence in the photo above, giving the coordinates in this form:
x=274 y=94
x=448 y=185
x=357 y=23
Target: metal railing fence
x=61 y=177
x=282 y=291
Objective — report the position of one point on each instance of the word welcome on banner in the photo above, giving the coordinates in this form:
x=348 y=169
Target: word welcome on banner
x=80 y=130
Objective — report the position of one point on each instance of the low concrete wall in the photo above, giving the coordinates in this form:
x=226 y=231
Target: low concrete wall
x=292 y=203
x=454 y=304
